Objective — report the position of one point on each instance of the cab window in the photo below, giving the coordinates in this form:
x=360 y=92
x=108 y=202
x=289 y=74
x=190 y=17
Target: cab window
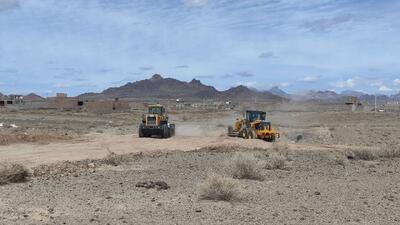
x=156 y=110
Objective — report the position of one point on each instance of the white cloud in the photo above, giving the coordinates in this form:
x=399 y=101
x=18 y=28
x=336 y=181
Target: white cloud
x=376 y=84
x=195 y=2
x=384 y=88
x=349 y=83
x=62 y=85
x=284 y=84
x=8 y=4
x=310 y=79
x=396 y=82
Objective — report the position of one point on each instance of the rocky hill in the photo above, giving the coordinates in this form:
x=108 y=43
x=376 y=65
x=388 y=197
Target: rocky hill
x=33 y=97
x=169 y=88
x=277 y=91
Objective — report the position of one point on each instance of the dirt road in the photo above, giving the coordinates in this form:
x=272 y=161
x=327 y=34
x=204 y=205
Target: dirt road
x=98 y=145
x=94 y=146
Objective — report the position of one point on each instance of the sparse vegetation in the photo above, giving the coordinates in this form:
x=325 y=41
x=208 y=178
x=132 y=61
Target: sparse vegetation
x=219 y=188
x=390 y=152
x=13 y=173
x=362 y=154
x=276 y=160
x=387 y=152
x=341 y=159
x=280 y=147
x=245 y=166
x=113 y=159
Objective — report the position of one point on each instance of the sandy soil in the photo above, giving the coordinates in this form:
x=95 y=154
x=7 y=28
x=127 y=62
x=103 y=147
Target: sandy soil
x=314 y=190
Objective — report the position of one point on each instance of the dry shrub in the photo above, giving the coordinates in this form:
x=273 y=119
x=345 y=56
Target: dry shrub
x=341 y=159
x=219 y=188
x=280 y=147
x=390 y=152
x=363 y=154
x=13 y=173
x=245 y=166
x=276 y=161
x=113 y=159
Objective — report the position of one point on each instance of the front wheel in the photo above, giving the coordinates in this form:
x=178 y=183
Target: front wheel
x=141 y=132
x=164 y=130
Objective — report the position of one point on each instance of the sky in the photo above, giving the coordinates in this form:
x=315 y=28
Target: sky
x=50 y=46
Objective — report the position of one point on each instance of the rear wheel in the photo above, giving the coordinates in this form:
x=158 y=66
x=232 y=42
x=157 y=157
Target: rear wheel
x=172 y=130
x=230 y=130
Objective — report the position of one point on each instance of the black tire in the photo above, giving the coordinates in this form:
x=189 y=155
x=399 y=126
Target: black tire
x=172 y=130
x=246 y=134
x=230 y=131
x=141 y=132
x=251 y=134
x=164 y=131
x=273 y=138
x=241 y=133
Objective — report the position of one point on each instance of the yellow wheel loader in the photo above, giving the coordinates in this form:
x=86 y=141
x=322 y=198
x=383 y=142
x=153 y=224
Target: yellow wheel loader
x=254 y=125
x=155 y=122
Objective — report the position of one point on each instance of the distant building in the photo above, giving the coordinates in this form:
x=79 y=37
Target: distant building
x=61 y=95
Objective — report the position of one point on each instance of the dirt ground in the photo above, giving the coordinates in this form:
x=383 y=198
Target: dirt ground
x=314 y=189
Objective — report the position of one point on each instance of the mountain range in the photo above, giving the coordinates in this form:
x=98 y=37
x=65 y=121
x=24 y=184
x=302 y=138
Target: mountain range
x=158 y=87
x=169 y=88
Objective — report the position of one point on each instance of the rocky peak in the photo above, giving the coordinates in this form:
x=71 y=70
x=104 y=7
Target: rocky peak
x=195 y=82
x=156 y=77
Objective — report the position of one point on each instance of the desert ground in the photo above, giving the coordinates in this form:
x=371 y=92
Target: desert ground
x=330 y=166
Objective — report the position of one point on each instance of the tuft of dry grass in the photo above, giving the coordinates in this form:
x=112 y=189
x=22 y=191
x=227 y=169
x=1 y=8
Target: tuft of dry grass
x=245 y=166
x=13 y=173
x=341 y=159
x=390 y=152
x=219 y=188
x=276 y=161
x=113 y=159
x=363 y=154
x=280 y=147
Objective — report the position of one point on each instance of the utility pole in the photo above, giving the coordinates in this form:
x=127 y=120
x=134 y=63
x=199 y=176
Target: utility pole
x=375 y=102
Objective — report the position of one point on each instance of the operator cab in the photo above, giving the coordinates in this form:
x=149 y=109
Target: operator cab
x=156 y=110
x=252 y=116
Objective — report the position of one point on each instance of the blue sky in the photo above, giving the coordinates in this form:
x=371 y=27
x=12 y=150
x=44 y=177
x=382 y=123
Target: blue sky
x=75 y=46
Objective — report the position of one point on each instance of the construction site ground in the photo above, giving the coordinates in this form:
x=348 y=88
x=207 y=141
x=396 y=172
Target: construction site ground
x=313 y=189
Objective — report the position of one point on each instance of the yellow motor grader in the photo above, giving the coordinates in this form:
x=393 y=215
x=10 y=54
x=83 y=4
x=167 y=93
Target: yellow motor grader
x=155 y=122
x=254 y=125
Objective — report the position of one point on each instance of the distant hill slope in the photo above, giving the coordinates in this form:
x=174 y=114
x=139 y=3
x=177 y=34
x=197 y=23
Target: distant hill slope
x=169 y=88
x=243 y=92
x=277 y=91
x=396 y=97
x=33 y=97
x=352 y=93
